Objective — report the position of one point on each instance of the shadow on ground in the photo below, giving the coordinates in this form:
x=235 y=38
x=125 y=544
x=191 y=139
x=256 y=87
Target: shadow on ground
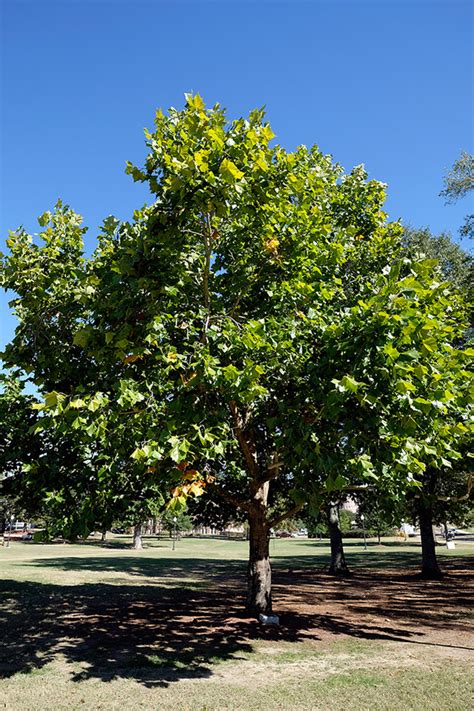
x=147 y=631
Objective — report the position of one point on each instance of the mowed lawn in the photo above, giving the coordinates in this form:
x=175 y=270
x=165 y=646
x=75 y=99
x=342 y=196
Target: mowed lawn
x=90 y=626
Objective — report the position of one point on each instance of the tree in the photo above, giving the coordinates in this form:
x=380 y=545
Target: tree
x=183 y=522
x=458 y=183
x=441 y=493
x=254 y=330
x=338 y=560
x=456 y=264
x=381 y=515
x=16 y=443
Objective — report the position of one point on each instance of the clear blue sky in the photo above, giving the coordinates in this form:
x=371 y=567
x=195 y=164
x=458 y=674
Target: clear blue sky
x=385 y=83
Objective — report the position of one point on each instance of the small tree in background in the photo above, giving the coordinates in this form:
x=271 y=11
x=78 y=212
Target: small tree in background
x=458 y=182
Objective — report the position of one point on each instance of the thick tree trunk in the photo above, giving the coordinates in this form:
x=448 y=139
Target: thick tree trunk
x=137 y=537
x=338 y=562
x=259 y=596
x=430 y=569
x=104 y=535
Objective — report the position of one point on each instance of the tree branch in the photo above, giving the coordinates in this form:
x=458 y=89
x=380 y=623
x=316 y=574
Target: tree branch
x=454 y=499
x=245 y=446
x=207 y=230
x=230 y=498
x=287 y=514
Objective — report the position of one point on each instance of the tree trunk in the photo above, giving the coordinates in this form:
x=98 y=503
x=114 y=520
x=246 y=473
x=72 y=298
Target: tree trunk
x=137 y=537
x=104 y=535
x=430 y=569
x=338 y=562
x=259 y=595
x=154 y=528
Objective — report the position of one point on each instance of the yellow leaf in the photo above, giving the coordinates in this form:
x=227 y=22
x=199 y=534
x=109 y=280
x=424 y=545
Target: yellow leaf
x=196 y=489
x=132 y=358
x=228 y=168
x=268 y=133
x=272 y=245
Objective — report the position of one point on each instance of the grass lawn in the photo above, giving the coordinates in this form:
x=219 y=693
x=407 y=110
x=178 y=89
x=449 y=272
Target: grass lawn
x=89 y=626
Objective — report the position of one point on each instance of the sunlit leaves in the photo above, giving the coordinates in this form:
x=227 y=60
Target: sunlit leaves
x=229 y=171
x=262 y=294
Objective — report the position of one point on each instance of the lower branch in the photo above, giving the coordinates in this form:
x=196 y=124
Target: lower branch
x=230 y=498
x=288 y=514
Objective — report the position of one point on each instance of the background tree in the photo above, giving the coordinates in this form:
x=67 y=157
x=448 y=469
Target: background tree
x=17 y=444
x=456 y=264
x=458 y=182
x=183 y=523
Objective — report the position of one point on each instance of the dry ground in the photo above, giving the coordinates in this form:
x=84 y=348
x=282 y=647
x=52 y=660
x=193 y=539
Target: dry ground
x=107 y=628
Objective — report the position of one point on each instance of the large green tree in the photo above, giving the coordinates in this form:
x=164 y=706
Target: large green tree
x=257 y=327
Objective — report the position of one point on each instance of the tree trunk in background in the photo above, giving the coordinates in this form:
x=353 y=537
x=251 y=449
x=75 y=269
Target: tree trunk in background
x=104 y=535
x=259 y=595
x=430 y=569
x=137 y=537
x=155 y=525
x=338 y=562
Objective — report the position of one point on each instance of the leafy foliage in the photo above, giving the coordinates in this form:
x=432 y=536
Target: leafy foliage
x=456 y=264
x=458 y=183
x=257 y=330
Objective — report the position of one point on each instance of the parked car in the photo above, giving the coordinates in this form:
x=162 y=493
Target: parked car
x=283 y=534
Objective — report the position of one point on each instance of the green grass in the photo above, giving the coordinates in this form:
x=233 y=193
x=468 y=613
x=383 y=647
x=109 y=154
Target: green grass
x=103 y=627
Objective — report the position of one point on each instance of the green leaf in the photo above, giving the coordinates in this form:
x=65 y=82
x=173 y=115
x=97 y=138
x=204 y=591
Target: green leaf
x=229 y=171
x=175 y=451
x=138 y=454
x=405 y=386
x=44 y=219
x=81 y=337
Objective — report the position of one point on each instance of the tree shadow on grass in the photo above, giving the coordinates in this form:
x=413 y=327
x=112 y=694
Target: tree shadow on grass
x=355 y=559
x=159 y=568
x=147 y=633
x=157 y=634
x=388 y=604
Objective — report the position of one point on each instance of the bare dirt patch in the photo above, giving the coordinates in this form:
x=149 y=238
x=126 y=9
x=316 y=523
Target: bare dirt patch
x=381 y=604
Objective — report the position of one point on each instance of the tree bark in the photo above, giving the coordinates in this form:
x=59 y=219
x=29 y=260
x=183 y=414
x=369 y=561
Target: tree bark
x=259 y=594
x=137 y=537
x=430 y=569
x=338 y=562
x=104 y=535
